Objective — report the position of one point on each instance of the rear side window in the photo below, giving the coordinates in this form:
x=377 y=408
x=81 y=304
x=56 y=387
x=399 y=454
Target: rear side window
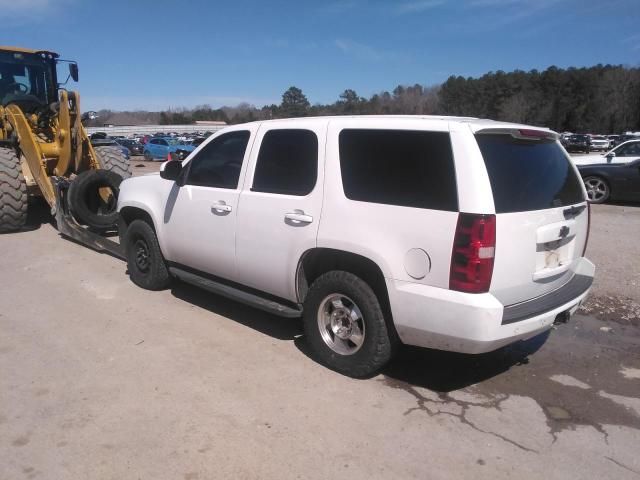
x=528 y=175
x=399 y=167
x=631 y=150
x=287 y=162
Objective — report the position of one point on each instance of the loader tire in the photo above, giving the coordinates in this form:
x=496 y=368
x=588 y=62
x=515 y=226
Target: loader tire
x=113 y=160
x=13 y=192
x=85 y=203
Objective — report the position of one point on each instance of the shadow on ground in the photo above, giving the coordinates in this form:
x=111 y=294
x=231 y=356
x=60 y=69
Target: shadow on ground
x=277 y=327
x=432 y=369
x=580 y=349
x=444 y=372
x=38 y=213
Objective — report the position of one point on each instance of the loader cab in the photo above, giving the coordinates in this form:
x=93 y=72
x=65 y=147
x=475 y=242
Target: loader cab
x=29 y=79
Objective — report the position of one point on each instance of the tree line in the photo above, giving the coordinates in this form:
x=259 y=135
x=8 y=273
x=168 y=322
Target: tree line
x=599 y=99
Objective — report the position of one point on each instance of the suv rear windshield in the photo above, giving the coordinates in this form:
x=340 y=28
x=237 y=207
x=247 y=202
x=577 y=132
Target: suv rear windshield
x=399 y=167
x=528 y=175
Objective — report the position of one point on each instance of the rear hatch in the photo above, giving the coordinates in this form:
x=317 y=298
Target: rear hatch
x=541 y=212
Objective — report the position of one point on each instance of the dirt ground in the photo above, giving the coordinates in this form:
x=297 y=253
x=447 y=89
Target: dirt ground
x=100 y=379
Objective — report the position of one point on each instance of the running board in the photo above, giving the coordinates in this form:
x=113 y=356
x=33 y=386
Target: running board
x=237 y=294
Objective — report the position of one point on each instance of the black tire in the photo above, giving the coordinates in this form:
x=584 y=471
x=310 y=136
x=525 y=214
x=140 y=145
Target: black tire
x=145 y=262
x=113 y=160
x=598 y=189
x=378 y=345
x=13 y=192
x=148 y=157
x=85 y=203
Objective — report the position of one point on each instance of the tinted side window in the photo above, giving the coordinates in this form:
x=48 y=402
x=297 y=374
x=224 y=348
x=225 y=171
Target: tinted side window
x=630 y=150
x=399 y=167
x=153 y=142
x=218 y=164
x=287 y=163
x=162 y=142
x=528 y=175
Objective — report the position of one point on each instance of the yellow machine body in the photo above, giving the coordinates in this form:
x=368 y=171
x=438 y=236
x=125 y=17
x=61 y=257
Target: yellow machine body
x=51 y=140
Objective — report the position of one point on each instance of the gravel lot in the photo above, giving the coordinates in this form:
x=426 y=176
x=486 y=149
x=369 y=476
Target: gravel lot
x=102 y=380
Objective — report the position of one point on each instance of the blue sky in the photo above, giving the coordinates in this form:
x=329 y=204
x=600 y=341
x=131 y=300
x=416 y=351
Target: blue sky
x=144 y=54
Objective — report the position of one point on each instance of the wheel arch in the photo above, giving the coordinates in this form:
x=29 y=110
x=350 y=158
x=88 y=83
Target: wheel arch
x=128 y=214
x=317 y=261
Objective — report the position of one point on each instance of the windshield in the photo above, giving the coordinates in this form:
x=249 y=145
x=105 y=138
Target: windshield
x=579 y=138
x=25 y=77
x=173 y=141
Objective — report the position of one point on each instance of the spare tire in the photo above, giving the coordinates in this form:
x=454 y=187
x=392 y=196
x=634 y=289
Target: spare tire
x=85 y=202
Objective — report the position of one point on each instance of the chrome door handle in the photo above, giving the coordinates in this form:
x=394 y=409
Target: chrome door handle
x=221 y=207
x=298 y=217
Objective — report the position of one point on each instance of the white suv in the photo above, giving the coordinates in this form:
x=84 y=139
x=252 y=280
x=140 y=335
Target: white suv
x=450 y=233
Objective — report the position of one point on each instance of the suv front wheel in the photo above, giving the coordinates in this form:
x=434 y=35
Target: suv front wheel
x=145 y=262
x=344 y=325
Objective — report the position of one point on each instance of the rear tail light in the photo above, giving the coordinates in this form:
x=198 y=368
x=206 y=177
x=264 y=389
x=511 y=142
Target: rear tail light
x=474 y=248
x=586 y=241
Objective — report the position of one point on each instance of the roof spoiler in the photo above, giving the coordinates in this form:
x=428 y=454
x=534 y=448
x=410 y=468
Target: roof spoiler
x=521 y=133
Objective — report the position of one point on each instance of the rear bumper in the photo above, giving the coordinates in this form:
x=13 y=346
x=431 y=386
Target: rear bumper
x=476 y=323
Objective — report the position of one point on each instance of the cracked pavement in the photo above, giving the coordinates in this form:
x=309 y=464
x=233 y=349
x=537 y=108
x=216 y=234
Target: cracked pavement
x=102 y=380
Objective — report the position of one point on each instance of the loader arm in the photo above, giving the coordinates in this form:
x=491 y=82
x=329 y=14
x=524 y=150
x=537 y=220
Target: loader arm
x=31 y=151
x=69 y=151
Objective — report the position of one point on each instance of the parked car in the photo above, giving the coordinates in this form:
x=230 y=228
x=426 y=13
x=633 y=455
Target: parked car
x=614 y=181
x=599 y=143
x=448 y=233
x=623 y=153
x=613 y=140
x=161 y=147
x=134 y=147
x=578 y=143
x=182 y=153
x=109 y=142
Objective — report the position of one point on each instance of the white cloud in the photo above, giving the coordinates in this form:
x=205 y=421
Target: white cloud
x=23 y=4
x=632 y=38
x=338 y=7
x=512 y=11
x=417 y=6
x=359 y=50
x=367 y=53
x=25 y=11
x=494 y=3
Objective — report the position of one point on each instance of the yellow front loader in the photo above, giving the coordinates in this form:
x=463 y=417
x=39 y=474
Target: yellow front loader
x=45 y=150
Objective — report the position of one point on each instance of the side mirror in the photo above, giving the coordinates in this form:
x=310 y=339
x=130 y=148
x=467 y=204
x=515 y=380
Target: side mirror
x=610 y=156
x=171 y=170
x=73 y=71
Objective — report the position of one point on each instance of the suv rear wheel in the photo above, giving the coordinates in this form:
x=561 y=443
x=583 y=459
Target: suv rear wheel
x=145 y=262
x=344 y=325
